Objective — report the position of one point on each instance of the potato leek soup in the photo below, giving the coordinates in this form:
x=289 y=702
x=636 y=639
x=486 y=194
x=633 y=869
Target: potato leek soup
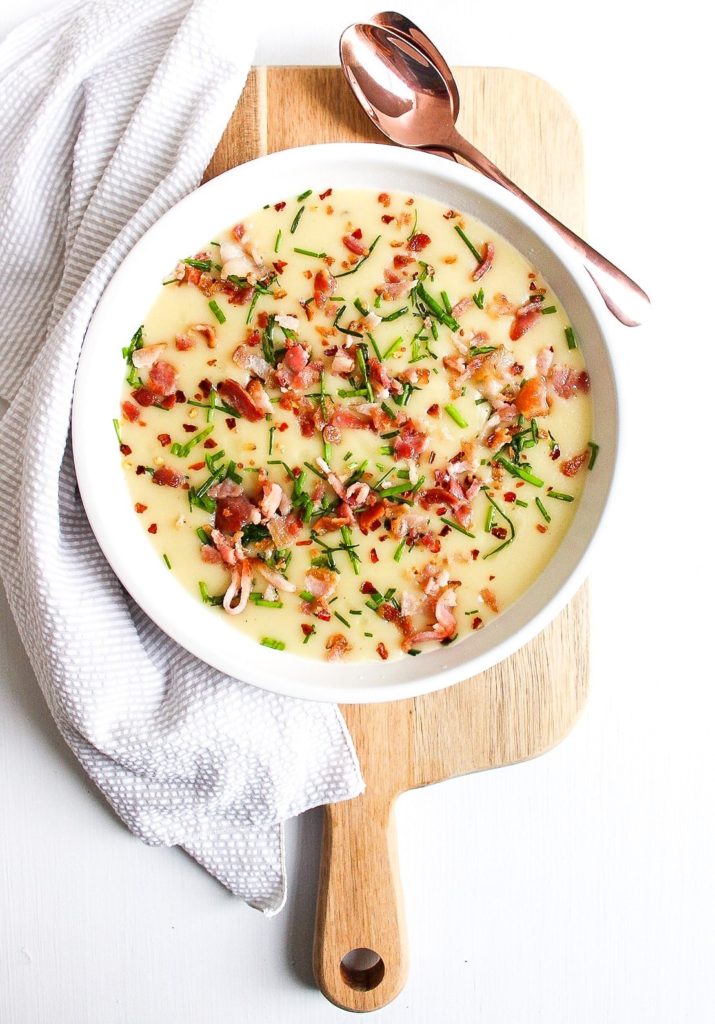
x=357 y=423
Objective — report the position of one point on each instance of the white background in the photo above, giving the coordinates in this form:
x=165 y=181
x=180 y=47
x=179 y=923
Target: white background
x=575 y=889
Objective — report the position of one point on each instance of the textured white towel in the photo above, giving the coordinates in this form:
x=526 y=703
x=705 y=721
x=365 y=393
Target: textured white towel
x=108 y=114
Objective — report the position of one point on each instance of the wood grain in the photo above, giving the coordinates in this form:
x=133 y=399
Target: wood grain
x=527 y=703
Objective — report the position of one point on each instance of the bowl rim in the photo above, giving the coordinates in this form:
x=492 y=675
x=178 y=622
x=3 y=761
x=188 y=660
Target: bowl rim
x=357 y=682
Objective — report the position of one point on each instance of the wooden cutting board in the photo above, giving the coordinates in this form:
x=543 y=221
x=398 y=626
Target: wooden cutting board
x=524 y=705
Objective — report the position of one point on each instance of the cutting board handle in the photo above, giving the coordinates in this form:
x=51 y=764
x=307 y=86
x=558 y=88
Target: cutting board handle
x=360 y=950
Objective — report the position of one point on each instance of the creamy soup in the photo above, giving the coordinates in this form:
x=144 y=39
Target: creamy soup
x=357 y=423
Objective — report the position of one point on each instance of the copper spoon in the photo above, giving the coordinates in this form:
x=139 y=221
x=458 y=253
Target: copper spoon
x=408 y=99
x=403 y=26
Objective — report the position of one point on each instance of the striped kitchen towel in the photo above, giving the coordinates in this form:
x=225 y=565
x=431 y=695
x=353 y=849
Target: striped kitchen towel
x=108 y=115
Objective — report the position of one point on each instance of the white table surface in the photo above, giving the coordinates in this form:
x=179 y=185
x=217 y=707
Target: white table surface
x=577 y=888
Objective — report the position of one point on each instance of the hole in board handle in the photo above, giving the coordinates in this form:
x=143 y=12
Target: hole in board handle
x=362 y=969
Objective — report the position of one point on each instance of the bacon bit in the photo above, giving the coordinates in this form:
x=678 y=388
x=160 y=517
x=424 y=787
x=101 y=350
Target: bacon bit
x=418 y=242
x=207 y=331
x=353 y=244
x=164 y=440
x=232 y=513
x=130 y=411
x=450 y=215
x=280 y=266
x=410 y=443
x=532 y=399
x=323 y=287
x=431 y=542
x=487 y=262
x=152 y=528
x=183 y=342
x=370 y=518
x=237 y=397
x=238 y=294
x=162 y=378
x=387 y=218
x=148 y=355
x=238 y=231
x=125 y=449
x=308 y=630
x=449 y=260
x=382 y=651
x=321 y=613
x=489 y=599
x=367 y=588
x=210 y=555
x=477 y=623
x=401 y=259
x=165 y=476
x=337 y=645
x=433 y=410
x=321 y=583
x=324 y=195
x=373 y=556
x=384 y=199
x=567 y=382
x=572 y=466
x=197 y=465
x=140 y=508
x=279 y=206
x=510 y=496
x=524 y=318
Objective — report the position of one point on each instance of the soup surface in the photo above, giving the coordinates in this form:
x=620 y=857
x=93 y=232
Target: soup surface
x=358 y=423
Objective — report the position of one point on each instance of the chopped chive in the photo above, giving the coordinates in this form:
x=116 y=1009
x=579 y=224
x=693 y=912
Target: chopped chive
x=570 y=337
x=399 y=549
x=363 y=369
x=414 y=652
x=217 y=311
x=559 y=495
x=389 y=434
x=357 y=266
x=375 y=349
x=456 y=526
x=360 y=307
x=540 y=506
x=296 y=220
x=198 y=264
x=262 y=602
x=469 y=245
x=276 y=645
x=196 y=439
x=397 y=313
x=304 y=195
x=548 y=309
x=436 y=309
x=456 y=415
x=414 y=228
x=309 y=252
x=594 y=453
x=117 y=430
x=343 y=620
x=349 y=546
x=271 y=431
x=504 y=516
x=519 y=471
x=306 y=595
x=386 y=409
x=353 y=611
x=521 y=504
x=278 y=240
x=445 y=302
x=347 y=457
x=166 y=559
x=368 y=634
x=203 y=535
x=479 y=299
x=254 y=300
x=397 y=489
x=489 y=521
x=308 y=635
x=317 y=472
x=395 y=345
x=206 y=597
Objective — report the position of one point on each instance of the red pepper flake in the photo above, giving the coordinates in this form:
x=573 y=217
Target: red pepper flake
x=323 y=613
x=419 y=242
x=282 y=427
x=433 y=410
x=555 y=453
x=367 y=588
x=520 y=484
x=211 y=362
x=499 y=532
x=280 y=266
x=210 y=443
x=410 y=201
x=189 y=427
x=492 y=578
x=387 y=218
x=384 y=199
x=205 y=386
x=541 y=528
x=262 y=320
x=357 y=233
x=180 y=397
x=373 y=556
x=196 y=465
x=475 y=554
x=382 y=651
x=231 y=422
x=324 y=195
x=476 y=622
x=279 y=206
x=164 y=440
x=140 y=470
x=509 y=496
x=442 y=511
x=302 y=543
x=152 y=528
x=445 y=530
x=140 y=508
x=308 y=630
x=516 y=369
x=125 y=449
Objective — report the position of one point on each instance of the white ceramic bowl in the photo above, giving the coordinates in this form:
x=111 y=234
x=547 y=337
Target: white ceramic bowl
x=132 y=291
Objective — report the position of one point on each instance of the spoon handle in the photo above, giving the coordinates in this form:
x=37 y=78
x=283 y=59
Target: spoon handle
x=625 y=299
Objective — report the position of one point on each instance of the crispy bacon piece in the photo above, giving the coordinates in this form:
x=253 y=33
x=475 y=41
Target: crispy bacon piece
x=487 y=262
x=208 y=332
x=183 y=342
x=462 y=306
x=370 y=518
x=165 y=476
x=274 y=578
x=232 y=513
x=148 y=355
x=245 y=357
x=241 y=580
x=321 y=583
x=353 y=243
x=323 y=287
x=296 y=358
x=162 y=378
x=382 y=651
x=532 y=399
x=439 y=496
x=210 y=554
x=238 y=398
x=259 y=396
x=130 y=411
x=489 y=599
x=401 y=259
x=567 y=382
x=570 y=467
x=525 y=318
x=411 y=442
x=337 y=646
x=418 y=242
